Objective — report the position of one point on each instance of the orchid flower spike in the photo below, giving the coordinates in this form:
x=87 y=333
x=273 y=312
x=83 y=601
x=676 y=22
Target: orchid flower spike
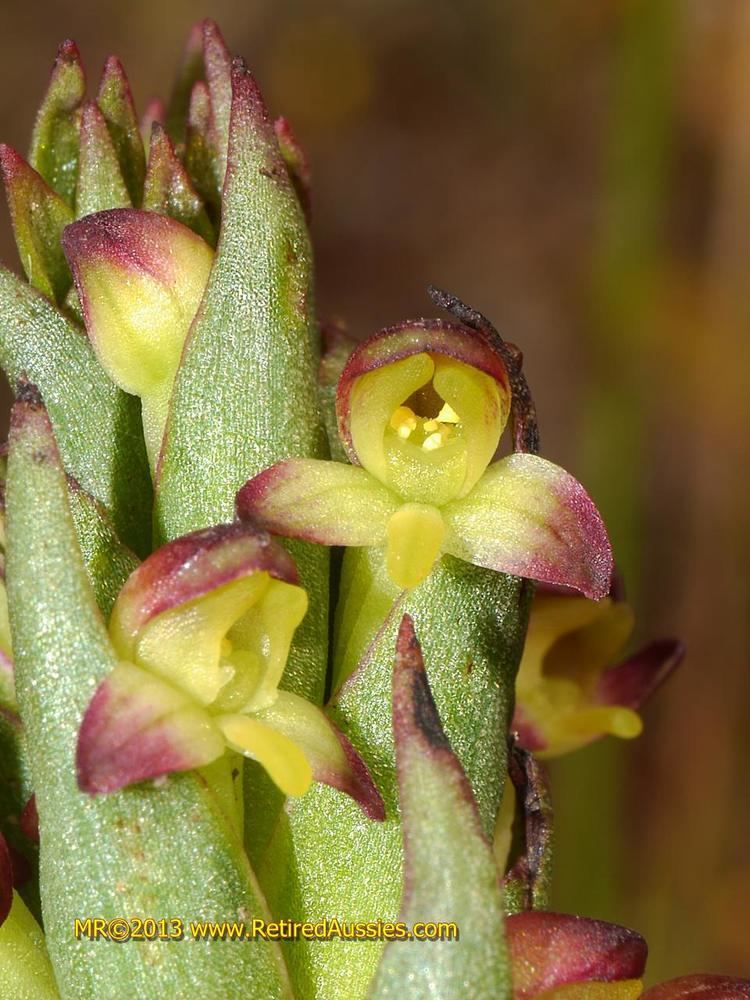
x=421 y=409
x=203 y=628
x=570 y=690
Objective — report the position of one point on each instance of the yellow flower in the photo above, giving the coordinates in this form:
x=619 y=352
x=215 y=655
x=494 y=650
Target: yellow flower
x=421 y=409
x=569 y=691
x=203 y=629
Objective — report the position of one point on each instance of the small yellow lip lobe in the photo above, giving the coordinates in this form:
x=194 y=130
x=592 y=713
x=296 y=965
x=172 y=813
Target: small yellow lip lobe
x=415 y=536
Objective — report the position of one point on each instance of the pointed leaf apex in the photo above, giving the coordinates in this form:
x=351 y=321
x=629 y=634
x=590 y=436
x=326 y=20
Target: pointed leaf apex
x=415 y=715
x=69 y=53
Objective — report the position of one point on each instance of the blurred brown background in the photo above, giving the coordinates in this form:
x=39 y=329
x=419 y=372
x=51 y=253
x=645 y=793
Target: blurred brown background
x=580 y=172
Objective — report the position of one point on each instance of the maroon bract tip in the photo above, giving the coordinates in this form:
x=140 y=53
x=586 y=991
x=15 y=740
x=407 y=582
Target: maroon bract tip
x=549 y=950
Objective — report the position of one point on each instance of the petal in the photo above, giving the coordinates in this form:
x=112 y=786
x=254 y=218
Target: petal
x=415 y=536
x=138 y=727
x=169 y=190
x=140 y=278
x=700 y=987
x=633 y=682
x=483 y=408
x=326 y=502
x=530 y=518
x=550 y=950
x=281 y=757
x=190 y=567
x=403 y=341
x=374 y=396
x=174 y=612
x=333 y=759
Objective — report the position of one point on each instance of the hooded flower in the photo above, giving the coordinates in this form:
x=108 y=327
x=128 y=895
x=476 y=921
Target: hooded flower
x=421 y=409
x=568 y=690
x=203 y=629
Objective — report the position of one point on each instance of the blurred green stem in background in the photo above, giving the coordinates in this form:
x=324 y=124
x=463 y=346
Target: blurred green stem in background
x=590 y=787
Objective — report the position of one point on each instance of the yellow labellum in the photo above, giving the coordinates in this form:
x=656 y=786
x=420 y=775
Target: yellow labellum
x=415 y=536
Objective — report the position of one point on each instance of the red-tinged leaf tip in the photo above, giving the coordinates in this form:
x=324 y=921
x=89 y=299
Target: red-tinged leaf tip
x=413 y=337
x=195 y=564
x=69 y=53
x=29 y=821
x=549 y=950
x=6 y=880
x=136 y=728
x=700 y=987
x=113 y=73
x=155 y=113
x=415 y=715
x=357 y=782
x=248 y=107
x=633 y=682
x=11 y=163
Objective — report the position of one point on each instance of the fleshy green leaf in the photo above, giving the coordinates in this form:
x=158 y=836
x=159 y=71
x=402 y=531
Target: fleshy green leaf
x=191 y=70
x=101 y=184
x=98 y=427
x=472 y=624
x=55 y=142
x=164 y=851
x=39 y=216
x=199 y=155
x=108 y=561
x=116 y=105
x=326 y=502
x=169 y=190
x=450 y=872
x=296 y=163
x=246 y=416
x=529 y=517
x=218 y=64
